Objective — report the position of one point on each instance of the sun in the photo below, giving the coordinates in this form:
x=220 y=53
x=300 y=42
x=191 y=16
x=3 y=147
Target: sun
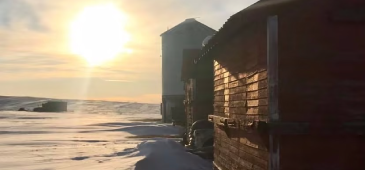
x=97 y=33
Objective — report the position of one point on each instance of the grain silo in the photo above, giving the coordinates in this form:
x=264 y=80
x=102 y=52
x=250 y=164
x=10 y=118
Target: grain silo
x=186 y=35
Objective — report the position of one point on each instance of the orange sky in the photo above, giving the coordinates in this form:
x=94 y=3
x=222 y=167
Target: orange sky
x=35 y=58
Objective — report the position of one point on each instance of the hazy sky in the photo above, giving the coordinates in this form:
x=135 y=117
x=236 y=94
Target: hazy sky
x=36 y=60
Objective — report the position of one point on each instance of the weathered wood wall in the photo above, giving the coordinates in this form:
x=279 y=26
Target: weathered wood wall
x=244 y=98
x=320 y=70
x=240 y=93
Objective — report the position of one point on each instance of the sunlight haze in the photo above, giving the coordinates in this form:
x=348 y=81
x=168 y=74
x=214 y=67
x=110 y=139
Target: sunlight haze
x=48 y=46
x=97 y=33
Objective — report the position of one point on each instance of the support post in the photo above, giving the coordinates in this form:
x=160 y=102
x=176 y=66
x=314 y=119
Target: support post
x=272 y=67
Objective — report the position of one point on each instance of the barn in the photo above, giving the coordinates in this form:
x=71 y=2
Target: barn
x=289 y=86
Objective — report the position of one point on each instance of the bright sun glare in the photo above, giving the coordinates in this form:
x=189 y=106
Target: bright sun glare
x=97 y=33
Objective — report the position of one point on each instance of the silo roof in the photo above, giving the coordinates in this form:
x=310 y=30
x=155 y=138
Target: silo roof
x=188 y=23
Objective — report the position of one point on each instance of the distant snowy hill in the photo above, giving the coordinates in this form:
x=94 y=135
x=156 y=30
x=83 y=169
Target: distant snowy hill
x=8 y=103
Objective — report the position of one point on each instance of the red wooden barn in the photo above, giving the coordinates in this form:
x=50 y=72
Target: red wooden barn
x=289 y=86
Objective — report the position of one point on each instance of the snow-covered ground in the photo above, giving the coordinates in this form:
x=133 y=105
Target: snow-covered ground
x=94 y=135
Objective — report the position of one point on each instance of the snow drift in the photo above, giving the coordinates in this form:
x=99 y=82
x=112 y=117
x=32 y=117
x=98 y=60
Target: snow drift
x=165 y=154
x=93 y=135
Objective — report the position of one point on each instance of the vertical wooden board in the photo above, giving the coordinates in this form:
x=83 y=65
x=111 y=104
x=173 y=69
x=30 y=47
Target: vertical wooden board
x=272 y=61
x=226 y=104
x=226 y=109
x=226 y=85
x=272 y=58
x=226 y=98
x=227 y=91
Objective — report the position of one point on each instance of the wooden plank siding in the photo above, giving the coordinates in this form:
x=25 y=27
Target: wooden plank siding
x=242 y=96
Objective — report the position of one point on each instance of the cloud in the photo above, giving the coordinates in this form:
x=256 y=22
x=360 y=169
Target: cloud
x=35 y=58
x=15 y=13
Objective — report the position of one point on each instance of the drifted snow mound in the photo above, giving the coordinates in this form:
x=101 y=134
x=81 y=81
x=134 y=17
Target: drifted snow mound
x=165 y=154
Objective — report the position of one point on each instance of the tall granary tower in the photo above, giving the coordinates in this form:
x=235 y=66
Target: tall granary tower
x=186 y=35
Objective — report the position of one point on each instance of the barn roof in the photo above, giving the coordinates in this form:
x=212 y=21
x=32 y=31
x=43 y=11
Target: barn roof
x=236 y=22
